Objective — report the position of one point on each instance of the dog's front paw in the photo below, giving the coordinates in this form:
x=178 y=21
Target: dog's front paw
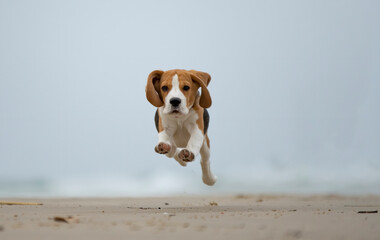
x=162 y=148
x=186 y=155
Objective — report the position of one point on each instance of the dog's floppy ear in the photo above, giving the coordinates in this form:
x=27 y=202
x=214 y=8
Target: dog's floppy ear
x=203 y=79
x=152 y=88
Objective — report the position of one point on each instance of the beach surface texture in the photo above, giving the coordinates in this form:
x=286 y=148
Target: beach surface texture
x=193 y=217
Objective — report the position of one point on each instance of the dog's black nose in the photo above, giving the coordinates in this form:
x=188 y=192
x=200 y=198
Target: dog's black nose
x=175 y=101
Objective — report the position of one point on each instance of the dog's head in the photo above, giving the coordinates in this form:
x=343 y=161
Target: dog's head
x=176 y=90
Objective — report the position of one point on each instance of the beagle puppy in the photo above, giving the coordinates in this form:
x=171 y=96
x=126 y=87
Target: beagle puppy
x=181 y=118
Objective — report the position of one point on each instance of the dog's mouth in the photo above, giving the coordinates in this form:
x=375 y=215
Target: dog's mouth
x=176 y=111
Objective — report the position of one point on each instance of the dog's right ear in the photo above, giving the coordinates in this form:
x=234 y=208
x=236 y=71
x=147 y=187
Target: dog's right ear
x=153 y=87
x=203 y=79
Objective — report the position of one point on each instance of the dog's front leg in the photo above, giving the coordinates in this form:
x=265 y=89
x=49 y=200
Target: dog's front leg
x=194 y=145
x=164 y=145
x=167 y=146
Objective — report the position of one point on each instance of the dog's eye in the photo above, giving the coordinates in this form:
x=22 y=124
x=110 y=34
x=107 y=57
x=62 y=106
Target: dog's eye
x=186 y=88
x=164 y=88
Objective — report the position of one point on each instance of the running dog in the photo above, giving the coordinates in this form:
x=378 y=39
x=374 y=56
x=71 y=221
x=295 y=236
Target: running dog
x=182 y=118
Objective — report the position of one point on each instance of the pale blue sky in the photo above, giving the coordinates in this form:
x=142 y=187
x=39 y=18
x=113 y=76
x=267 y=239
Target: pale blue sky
x=295 y=87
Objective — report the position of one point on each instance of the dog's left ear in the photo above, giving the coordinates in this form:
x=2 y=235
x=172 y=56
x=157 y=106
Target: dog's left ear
x=152 y=88
x=203 y=79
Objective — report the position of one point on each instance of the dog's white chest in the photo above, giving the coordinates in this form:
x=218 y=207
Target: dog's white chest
x=180 y=126
x=181 y=136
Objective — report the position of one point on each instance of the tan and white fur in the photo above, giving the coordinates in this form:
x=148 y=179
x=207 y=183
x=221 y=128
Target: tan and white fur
x=181 y=117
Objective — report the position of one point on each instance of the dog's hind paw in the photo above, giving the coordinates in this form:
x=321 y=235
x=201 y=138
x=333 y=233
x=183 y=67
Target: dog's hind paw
x=209 y=180
x=186 y=155
x=162 y=148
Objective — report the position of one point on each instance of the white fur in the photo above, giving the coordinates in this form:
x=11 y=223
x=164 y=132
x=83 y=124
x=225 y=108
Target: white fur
x=207 y=176
x=196 y=138
x=181 y=131
x=175 y=92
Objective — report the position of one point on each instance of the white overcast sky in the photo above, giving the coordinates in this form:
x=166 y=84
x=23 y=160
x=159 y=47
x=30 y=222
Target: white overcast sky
x=295 y=84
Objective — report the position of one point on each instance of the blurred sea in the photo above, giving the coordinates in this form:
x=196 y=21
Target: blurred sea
x=263 y=180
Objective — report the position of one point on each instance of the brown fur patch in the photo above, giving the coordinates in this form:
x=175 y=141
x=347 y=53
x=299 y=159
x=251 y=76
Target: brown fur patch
x=160 y=126
x=184 y=79
x=199 y=112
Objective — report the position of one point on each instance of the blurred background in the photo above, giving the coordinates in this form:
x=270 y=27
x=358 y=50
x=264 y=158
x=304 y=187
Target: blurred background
x=295 y=87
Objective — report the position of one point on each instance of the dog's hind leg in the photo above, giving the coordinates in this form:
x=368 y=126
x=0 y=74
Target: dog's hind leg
x=207 y=176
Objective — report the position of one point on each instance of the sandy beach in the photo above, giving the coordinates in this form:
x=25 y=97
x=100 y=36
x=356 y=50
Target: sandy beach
x=198 y=217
